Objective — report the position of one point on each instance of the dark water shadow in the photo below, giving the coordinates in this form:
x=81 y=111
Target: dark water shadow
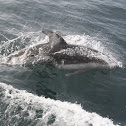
x=96 y=90
x=32 y=79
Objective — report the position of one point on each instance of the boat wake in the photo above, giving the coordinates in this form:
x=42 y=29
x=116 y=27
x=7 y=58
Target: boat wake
x=23 y=108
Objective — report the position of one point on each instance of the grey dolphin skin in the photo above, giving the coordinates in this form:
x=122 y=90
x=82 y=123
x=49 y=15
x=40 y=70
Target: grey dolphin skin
x=73 y=57
x=62 y=55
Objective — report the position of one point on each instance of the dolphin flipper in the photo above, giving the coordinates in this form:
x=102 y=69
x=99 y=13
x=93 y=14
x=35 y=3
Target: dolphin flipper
x=76 y=72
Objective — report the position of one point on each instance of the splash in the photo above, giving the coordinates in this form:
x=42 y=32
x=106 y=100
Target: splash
x=92 y=42
x=21 y=107
x=21 y=40
x=32 y=39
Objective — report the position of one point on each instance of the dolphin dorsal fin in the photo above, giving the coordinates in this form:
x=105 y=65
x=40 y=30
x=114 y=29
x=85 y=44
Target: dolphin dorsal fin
x=54 y=39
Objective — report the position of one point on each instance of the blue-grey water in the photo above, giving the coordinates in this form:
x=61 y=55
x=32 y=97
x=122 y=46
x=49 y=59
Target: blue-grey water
x=42 y=95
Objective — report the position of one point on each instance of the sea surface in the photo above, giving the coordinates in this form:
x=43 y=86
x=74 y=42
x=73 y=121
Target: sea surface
x=41 y=95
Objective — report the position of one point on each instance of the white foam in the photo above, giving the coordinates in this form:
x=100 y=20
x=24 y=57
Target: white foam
x=84 y=40
x=65 y=113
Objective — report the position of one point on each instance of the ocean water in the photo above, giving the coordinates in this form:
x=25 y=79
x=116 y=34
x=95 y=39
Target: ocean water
x=41 y=95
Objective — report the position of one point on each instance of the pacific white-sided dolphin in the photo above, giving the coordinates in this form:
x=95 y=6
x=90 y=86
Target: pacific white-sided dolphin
x=60 y=54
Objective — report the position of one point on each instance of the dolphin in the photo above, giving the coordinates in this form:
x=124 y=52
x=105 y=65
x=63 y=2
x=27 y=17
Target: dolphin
x=61 y=55
x=40 y=52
